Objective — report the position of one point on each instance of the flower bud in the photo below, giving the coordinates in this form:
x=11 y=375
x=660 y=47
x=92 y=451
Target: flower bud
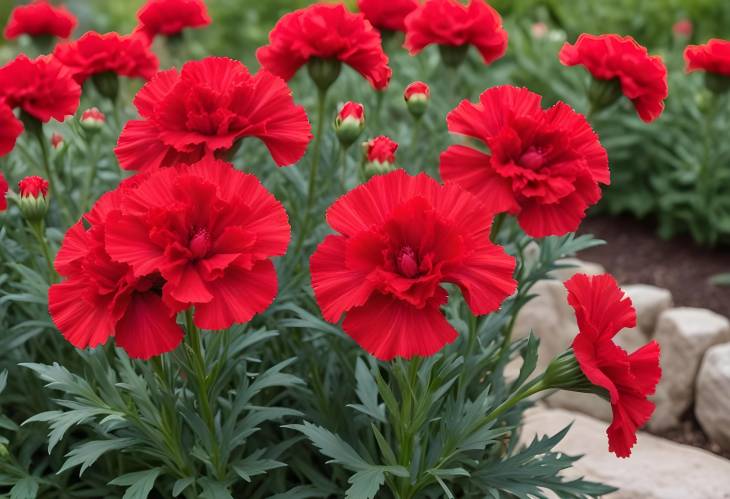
x=33 y=198
x=323 y=72
x=349 y=123
x=92 y=120
x=683 y=28
x=603 y=93
x=379 y=156
x=539 y=30
x=56 y=141
x=417 y=96
x=565 y=373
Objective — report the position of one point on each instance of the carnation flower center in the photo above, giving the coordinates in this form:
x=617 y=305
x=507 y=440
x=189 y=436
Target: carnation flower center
x=533 y=158
x=407 y=262
x=200 y=243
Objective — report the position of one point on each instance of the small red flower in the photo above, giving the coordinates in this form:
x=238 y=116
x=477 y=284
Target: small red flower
x=417 y=89
x=10 y=129
x=56 y=140
x=326 y=32
x=96 y=53
x=170 y=17
x=712 y=57
x=3 y=192
x=205 y=110
x=40 y=18
x=387 y=15
x=544 y=166
x=399 y=238
x=381 y=149
x=603 y=311
x=210 y=232
x=683 y=28
x=643 y=78
x=41 y=87
x=453 y=24
x=33 y=186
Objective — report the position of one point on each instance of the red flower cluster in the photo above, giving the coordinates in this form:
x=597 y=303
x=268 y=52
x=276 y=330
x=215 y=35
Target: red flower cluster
x=3 y=192
x=643 y=78
x=712 y=57
x=603 y=311
x=42 y=87
x=96 y=53
x=10 y=130
x=40 y=18
x=326 y=32
x=200 y=235
x=33 y=186
x=387 y=15
x=452 y=24
x=381 y=149
x=544 y=166
x=205 y=110
x=171 y=17
x=400 y=238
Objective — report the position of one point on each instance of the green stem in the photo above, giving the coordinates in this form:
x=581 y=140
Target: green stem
x=37 y=228
x=497 y=226
x=415 y=146
x=46 y=163
x=321 y=106
x=93 y=166
x=342 y=163
x=513 y=401
x=408 y=381
x=473 y=336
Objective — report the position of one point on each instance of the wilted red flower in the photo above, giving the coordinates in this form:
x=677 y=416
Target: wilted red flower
x=56 y=140
x=387 y=15
x=450 y=23
x=381 y=149
x=95 y=53
x=40 y=18
x=3 y=192
x=683 y=28
x=643 y=78
x=33 y=186
x=42 y=87
x=712 y=57
x=400 y=237
x=205 y=110
x=210 y=231
x=325 y=32
x=603 y=311
x=417 y=88
x=10 y=129
x=170 y=17
x=544 y=166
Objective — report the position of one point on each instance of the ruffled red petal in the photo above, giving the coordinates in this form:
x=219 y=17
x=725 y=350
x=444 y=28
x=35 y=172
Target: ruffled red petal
x=10 y=129
x=147 y=328
x=40 y=18
x=712 y=57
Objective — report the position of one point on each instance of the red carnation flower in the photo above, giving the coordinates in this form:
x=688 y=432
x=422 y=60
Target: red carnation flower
x=10 y=129
x=450 y=23
x=387 y=15
x=400 y=237
x=327 y=32
x=643 y=78
x=96 y=53
x=205 y=110
x=210 y=231
x=100 y=297
x=170 y=17
x=544 y=166
x=3 y=192
x=41 y=87
x=381 y=149
x=33 y=186
x=712 y=57
x=40 y=18
x=603 y=311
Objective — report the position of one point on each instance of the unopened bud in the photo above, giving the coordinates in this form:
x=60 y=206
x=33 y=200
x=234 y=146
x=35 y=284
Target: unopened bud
x=92 y=120
x=324 y=72
x=417 y=96
x=33 y=198
x=379 y=156
x=107 y=84
x=56 y=141
x=603 y=93
x=453 y=55
x=565 y=373
x=349 y=123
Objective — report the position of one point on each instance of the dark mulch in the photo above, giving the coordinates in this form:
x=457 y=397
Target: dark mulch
x=634 y=254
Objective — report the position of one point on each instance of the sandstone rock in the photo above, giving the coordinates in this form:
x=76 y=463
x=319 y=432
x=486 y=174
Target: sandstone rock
x=712 y=406
x=649 y=302
x=657 y=468
x=684 y=334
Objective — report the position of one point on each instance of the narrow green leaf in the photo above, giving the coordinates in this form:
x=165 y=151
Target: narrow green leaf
x=140 y=483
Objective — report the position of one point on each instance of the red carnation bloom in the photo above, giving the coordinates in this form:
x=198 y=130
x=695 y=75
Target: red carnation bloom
x=400 y=237
x=210 y=231
x=544 y=166
x=453 y=24
x=387 y=15
x=207 y=108
x=327 y=32
x=417 y=88
x=40 y=19
x=3 y=192
x=381 y=149
x=33 y=186
x=170 y=17
x=10 y=129
x=643 y=78
x=712 y=57
x=603 y=311
x=100 y=297
x=96 y=53
x=41 y=87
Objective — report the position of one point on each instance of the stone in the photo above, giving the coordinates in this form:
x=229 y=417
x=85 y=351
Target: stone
x=649 y=302
x=684 y=334
x=657 y=468
x=712 y=405
x=576 y=267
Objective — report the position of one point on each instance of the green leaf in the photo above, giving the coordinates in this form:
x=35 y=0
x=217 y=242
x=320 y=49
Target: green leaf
x=181 y=485
x=332 y=446
x=529 y=360
x=253 y=465
x=87 y=453
x=365 y=484
x=367 y=393
x=140 y=483
x=25 y=488
x=214 y=490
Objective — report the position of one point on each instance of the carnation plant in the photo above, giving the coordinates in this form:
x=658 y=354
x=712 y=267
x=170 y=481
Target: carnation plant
x=210 y=291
